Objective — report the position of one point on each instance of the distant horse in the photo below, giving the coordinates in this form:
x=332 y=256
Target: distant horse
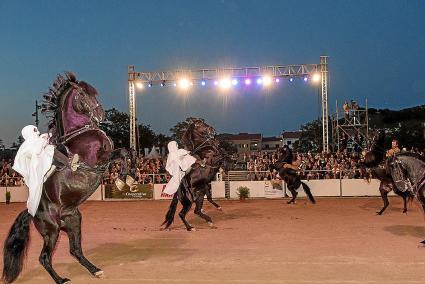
x=406 y=169
x=293 y=181
x=199 y=140
x=75 y=115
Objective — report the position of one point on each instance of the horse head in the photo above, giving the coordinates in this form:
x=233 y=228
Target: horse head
x=72 y=105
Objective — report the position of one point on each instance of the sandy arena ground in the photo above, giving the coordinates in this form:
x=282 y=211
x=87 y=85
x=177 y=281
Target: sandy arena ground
x=257 y=241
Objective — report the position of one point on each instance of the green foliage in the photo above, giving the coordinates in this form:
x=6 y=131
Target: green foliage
x=228 y=147
x=179 y=129
x=243 y=192
x=117 y=127
x=311 y=137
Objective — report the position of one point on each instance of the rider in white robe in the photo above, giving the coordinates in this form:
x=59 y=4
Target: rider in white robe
x=33 y=160
x=179 y=162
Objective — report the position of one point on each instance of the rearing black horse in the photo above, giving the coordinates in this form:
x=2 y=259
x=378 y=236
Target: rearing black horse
x=290 y=176
x=199 y=139
x=75 y=116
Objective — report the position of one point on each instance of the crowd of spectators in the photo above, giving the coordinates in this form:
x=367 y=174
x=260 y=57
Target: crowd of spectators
x=144 y=170
x=8 y=177
x=337 y=165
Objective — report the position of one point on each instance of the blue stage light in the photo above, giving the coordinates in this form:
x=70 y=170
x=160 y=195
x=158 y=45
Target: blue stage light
x=203 y=83
x=234 y=82
x=259 y=81
x=305 y=79
x=291 y=79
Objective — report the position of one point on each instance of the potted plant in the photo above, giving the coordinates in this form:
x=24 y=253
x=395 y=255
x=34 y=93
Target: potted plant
x=243 y=192
x=8 y=195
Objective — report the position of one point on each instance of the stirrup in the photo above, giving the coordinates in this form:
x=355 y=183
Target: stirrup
x=74 y=162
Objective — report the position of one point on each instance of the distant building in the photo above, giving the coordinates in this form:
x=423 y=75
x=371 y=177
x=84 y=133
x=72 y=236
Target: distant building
x=271 y=143
x=290 y=137
x=244 y=142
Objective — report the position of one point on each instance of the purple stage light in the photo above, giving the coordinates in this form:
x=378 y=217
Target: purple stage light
x=248 y=81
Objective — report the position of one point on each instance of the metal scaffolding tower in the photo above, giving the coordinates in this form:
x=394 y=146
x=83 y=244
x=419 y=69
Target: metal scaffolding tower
x=170 y=78
x=350 y=127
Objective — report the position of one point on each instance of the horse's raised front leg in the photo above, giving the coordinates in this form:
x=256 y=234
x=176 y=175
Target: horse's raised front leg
x=72 y=226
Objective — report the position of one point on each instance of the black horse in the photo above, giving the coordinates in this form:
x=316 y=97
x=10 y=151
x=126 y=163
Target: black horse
x=199 y=139
x=75 y=116
x=293 y=182
x=406 y=169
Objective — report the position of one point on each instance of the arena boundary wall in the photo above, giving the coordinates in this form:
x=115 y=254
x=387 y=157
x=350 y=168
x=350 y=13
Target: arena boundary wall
x=258 y=189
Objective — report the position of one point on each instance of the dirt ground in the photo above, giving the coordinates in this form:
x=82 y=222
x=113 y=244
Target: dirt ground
x=257 y=241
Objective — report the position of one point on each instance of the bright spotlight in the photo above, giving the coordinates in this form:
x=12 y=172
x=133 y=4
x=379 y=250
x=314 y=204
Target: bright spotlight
x=174 y=84
x=305 y=78
x=291 y=79
x=184 y=83
x=259 y=81
x=150 y=84
x=277 y=80
x=216 y=83
x=247 y=81
x=203 y=83
x=225 y=83
x=234 y=82
x=316 y=77
x=139 y=85
x=163 y=83
x=267 y=80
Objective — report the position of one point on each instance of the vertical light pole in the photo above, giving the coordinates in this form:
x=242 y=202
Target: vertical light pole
x=35 y=114
x=325 y=115
x=132 y=107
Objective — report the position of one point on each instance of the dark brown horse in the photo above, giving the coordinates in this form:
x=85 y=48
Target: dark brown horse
x=199 y=139
x=75 y=115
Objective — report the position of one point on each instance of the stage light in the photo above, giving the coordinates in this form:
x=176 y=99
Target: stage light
x=216 y=83
x=203 y=83
x=277 y=80
x=267 y=80
x=139 y=85
x=259 y=81
x=225 y=83
x=247 y=81
x=163 y=83
x=291 y=79
x=234 y=82
x=316 y=77
x=184 y=83
x=150 y=84
x=305 y=78
x=175 y=84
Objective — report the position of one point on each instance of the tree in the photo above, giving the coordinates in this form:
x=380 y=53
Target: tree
x=117 y=126
x=311 y=137
x=179 y=129
x=146 y=136
x=228 y=147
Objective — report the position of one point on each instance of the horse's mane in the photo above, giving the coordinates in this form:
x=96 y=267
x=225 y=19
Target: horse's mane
x=187 y=137
x=411 y=154
x=52 y=101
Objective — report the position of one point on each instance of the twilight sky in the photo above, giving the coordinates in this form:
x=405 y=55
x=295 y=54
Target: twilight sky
x=376 y=51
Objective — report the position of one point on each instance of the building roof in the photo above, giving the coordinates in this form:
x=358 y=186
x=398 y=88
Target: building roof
x=291 y=134
x=272 y=139
x=242 y=136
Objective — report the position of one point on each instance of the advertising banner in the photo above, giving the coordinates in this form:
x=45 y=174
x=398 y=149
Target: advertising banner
x=136 y=191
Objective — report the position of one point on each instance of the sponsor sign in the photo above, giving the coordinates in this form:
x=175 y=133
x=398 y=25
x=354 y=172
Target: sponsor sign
x=273 y=189
x=135 y=191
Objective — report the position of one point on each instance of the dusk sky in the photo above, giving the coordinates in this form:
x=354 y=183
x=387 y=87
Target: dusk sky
x=376 y=51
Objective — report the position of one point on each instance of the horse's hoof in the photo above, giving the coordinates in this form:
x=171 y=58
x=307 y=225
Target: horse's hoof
x=202 y=210
x=99 y=274
x=66 y=281
x=192 y=230
x=378 y=213
x=219 y=208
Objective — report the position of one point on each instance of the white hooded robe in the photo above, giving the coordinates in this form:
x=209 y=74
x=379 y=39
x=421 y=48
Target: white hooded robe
x=179 y=161
x=33 y=160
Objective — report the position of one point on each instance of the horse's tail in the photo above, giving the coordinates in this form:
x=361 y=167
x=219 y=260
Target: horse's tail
x=15 y=247
x=169 y=217
x=308 y=192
